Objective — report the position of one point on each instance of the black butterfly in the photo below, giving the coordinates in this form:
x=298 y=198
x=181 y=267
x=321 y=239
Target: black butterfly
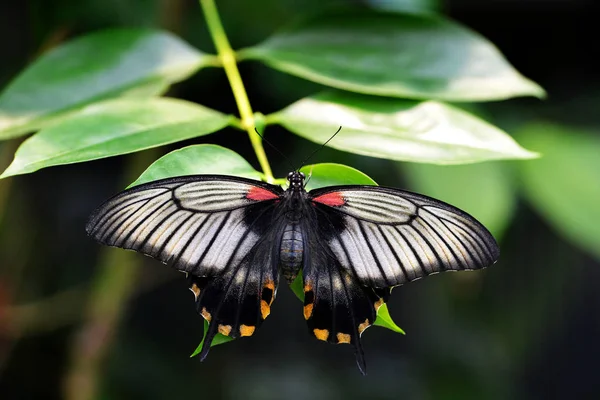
x=235 y=236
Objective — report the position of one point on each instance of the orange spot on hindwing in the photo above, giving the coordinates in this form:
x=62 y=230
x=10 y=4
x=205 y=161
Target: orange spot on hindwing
x=225 y=329
x=196 y=290
x=265 y=310
x=321 y=334
x=246 y=330
x=309 y=299
x=308 y=309
x=206 y=314
x=343 y=338
x=363 y=326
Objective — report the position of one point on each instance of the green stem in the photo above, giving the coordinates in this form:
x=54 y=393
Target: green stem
x=227 y=56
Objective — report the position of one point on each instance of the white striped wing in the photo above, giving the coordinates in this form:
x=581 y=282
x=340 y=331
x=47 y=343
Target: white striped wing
x=388 y=237
x=198 y=224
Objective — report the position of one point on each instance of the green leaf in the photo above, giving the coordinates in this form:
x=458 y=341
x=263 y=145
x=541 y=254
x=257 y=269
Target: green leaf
x=115 y=127
x=395 y=129
x=486 y=190
x=217 y=340
x=394 y=54
x=385 y=320
x=298 y=287
x=98 y=66
x=329 y=174
x=198 y=159
x=563 y=185
x=150 y=88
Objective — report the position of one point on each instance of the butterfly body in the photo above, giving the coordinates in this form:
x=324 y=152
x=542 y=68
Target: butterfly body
x=235 y=237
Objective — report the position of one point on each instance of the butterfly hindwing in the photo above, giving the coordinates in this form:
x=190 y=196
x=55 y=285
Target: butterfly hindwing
x=387 y=237
x=237 y=301
x=337 y=307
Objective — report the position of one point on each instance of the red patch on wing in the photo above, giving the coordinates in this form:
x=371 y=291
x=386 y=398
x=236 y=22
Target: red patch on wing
x=259 y=194
x=333 y=199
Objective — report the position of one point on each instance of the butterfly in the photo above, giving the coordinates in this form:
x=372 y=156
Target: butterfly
x=235 y=237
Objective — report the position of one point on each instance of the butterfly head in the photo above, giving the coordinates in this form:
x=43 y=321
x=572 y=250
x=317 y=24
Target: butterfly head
x=296 y=180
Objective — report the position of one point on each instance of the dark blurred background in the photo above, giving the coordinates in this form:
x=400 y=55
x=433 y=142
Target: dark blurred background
x=526 y=328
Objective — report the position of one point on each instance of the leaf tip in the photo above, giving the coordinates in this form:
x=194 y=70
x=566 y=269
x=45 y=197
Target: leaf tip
x=9 y=171
x=531 y=88
x=529 y=155
x=197 y=351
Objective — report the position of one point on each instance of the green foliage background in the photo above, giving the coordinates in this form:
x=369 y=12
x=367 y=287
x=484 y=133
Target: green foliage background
x=418 y=96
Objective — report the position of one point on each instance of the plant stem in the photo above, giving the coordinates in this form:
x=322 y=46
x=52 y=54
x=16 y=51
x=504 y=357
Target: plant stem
x=227 y=56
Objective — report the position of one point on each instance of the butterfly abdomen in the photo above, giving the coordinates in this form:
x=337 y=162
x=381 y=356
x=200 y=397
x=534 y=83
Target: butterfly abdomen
x=291 y=251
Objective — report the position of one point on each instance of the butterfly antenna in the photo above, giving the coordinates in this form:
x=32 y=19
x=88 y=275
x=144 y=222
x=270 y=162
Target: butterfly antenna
x=320 y=147
x=275 y=148
x=309 y=176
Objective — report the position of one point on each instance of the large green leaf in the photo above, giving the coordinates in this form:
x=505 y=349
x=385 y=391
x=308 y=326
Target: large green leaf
x=114 y=127
x=96 y=66
x=564 y=184
x=198 y=159
x=485 y=190
x=394 y=54
x=395 y=129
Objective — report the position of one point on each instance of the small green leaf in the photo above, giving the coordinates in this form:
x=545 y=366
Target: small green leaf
x=112 y=128
x=298 y=287
x=94 y=67
x=486 y=190
x=404 y=130
x=218 y=339
x=385 y=319
x=394 y=54
x=563 y=185
x=198 y=159
x=329 y=174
